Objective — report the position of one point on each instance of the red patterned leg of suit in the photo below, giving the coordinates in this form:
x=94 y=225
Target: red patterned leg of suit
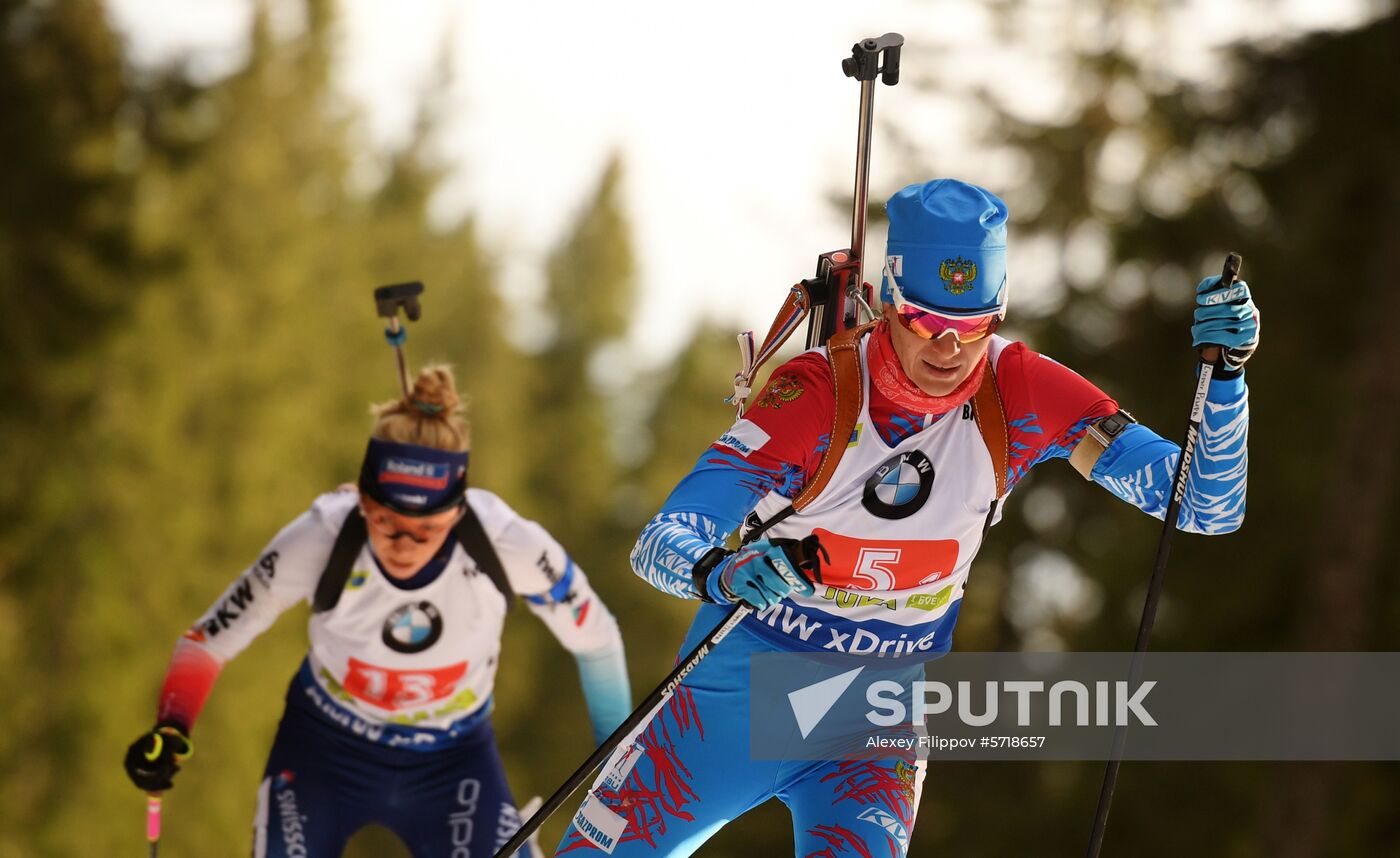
x=856 y=808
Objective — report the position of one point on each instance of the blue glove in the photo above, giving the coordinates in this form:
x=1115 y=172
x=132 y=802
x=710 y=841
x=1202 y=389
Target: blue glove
x=1226 y=318
x=763 y=573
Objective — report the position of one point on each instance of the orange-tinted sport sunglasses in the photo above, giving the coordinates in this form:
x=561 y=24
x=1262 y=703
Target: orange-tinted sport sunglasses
x=929 y=324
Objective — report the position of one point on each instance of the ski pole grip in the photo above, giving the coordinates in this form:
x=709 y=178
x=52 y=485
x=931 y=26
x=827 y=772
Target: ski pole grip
x=1228 y=275
x=1231 y=271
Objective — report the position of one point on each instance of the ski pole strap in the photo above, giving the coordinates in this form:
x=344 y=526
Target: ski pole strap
x=158 y=739
x=157 y=745
x=795 y=308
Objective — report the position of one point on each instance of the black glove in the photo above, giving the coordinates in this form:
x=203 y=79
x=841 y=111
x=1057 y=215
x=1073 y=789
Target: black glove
x=808 y=553
x=155 y=757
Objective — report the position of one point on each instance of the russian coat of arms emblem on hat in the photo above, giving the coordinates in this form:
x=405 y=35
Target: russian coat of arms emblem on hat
x=957 y=275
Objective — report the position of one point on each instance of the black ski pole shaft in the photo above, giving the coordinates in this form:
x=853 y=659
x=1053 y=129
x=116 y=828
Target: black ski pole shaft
x=658 y=696
x=1228 y=276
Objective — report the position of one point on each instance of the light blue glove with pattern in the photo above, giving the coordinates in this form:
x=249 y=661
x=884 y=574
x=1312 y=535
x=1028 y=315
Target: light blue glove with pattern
x=765 y=572
x=1226 y=317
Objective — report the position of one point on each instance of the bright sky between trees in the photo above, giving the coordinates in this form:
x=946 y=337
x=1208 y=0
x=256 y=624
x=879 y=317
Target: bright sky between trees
x=735 y=123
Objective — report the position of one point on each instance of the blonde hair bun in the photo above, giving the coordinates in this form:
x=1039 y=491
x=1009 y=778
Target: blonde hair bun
x=435 y=391
x=431 y=416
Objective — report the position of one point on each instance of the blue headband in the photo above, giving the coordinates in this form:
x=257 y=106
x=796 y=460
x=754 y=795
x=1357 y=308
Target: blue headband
x=413 y=480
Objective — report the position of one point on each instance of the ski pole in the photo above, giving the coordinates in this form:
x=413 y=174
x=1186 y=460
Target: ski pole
x=1228 y=276
x=153 y=822
x=527 y=810
x=388 y=300
x=838 y=288
x=153 y=798
x=654 y=700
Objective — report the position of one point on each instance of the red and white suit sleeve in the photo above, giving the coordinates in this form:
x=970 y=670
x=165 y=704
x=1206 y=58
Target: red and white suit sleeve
x=285 y=573
x=1048 y=407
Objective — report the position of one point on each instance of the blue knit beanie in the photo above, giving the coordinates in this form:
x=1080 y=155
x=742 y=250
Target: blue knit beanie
x=947 y=248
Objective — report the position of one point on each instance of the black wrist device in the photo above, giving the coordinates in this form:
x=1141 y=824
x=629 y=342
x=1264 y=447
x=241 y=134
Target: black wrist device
x=700 y=572
x=1110 y=427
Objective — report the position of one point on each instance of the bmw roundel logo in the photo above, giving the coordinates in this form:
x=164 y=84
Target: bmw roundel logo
x=413 y=627
x=900 y=486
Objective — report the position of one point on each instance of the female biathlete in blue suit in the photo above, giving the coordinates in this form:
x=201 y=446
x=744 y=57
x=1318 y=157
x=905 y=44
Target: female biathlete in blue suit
x=901 y=519
x=388 y=718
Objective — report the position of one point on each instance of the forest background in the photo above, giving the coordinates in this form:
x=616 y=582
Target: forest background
x=187 y=350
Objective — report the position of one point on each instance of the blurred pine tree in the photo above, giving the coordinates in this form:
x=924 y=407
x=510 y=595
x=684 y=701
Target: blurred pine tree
x=67 y=258
x=232 y=393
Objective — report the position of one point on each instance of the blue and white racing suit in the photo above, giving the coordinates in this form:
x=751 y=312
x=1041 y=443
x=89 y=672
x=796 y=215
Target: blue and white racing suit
x=902 y=518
